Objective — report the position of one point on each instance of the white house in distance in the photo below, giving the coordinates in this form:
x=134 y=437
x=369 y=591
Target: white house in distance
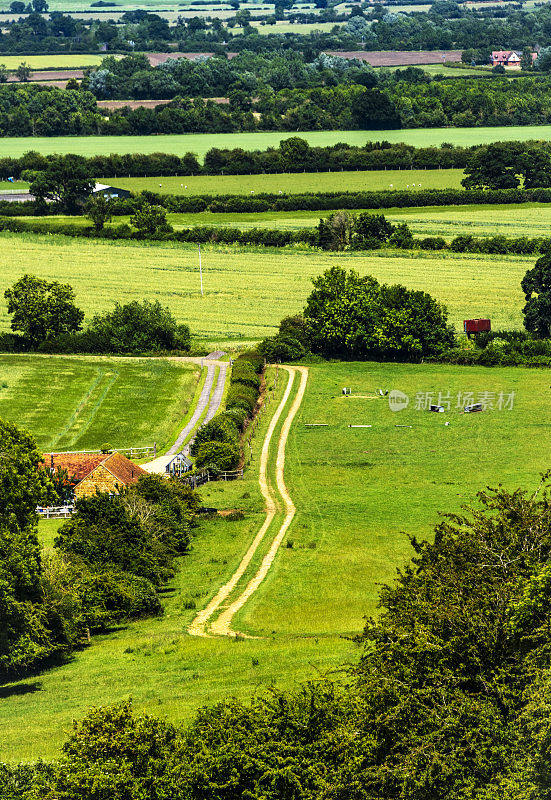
x=510 y=59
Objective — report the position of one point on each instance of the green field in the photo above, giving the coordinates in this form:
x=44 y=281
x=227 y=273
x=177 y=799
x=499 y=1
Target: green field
x=200 y=143
x=247 y=290
x=356 y=491
x=62 y=61
x=295 y=182
x=83 y=403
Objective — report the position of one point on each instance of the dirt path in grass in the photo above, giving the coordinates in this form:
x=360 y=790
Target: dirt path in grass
x=222 y=625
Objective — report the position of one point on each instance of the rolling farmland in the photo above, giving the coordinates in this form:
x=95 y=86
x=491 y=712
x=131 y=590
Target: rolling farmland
x=294 y=183
x=200 y=143
x=83 y=403
x=247 y=290
x=324 y=582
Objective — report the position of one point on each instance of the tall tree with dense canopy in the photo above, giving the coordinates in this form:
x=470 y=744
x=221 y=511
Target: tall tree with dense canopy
x=536 y=286
x=352 y=317
x=42 y=309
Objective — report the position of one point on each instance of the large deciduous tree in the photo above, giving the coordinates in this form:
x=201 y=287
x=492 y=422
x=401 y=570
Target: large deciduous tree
x=349 y=316
x=42 y=309
x=65 y=180
x=536 y=286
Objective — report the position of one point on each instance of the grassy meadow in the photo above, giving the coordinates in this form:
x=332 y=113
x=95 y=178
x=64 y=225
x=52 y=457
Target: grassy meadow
x=248 y=290
x=85 y=402
x=294 y=182
x=200 y=143
x=356 y=491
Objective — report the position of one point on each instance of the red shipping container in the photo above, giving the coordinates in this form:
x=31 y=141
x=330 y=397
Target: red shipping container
x=476 y=325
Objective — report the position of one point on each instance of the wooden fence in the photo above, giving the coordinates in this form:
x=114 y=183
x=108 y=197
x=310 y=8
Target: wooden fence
x=199 y=478
x=55 y=512
x=131 y=452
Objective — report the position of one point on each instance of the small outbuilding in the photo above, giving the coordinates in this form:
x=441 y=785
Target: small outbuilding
x=179 y=465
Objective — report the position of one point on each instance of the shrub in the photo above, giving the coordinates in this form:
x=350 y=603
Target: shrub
x=242 y=397
x=220 y=429
x=281 y=348
x=245 y=373
x=254 y=358
x=217 y=456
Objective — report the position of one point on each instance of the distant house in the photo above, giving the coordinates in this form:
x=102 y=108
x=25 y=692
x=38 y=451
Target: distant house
x=510 y=59
x=104 y=472
x=179 y=464
x=110 y=192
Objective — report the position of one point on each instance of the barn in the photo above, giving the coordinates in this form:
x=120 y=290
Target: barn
x=103 y=472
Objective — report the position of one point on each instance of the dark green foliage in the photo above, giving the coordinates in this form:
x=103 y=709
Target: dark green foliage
x=151 y=220
x=220 y=429
x=242 y=397
x=105 y=533
x=26 y=638
x=98 y=210
x=65 y=180
x=352 y=317
x=136 y=327
x=536 y=286
x=281 y=349
x=42 y=310
x=245 y=373
x=217 y=455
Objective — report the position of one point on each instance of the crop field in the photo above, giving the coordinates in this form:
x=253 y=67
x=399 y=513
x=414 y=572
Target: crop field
x=248 y=290
x=62 y=61
x=356 y=490
x=200 y=143
x=83 y=403
x=295 y=183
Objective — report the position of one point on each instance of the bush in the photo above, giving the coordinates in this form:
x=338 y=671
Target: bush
x=245 y=373
x=254 y=358
x=242 y=396
x=281 y=348
x=217 y=456
x=220 y=429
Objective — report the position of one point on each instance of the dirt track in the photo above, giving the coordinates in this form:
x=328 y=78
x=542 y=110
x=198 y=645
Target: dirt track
x=222 y=625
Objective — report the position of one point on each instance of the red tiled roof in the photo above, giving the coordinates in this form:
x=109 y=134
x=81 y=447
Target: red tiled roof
x=80 y=465
x=123 y=469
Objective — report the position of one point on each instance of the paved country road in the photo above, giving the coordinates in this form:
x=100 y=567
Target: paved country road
x=205 y=402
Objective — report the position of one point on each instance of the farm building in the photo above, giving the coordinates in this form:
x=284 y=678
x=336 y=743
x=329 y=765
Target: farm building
x=110 y=192
x=104 y=472
x=510 y=59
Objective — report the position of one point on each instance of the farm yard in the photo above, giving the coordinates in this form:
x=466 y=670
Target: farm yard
x=325 y=579
x=84 y=402
x=240 y=281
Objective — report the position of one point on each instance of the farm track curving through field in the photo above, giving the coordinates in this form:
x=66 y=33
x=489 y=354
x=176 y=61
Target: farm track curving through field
x=222 y=626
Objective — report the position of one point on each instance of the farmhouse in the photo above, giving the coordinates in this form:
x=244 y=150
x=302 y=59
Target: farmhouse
x=510 y=59
x=104 y=472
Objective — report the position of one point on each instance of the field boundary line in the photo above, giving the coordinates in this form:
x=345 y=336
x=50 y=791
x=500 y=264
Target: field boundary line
x=222 y=626
x=197 y=627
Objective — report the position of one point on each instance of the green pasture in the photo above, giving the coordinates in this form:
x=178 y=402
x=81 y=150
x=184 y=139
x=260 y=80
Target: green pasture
x=248 y=290
x=356 y=490
x=297 y=27
x=83 y=403
x=295 y=182
x=200 y=143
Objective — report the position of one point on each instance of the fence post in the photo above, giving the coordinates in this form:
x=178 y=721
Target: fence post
x=154 y=449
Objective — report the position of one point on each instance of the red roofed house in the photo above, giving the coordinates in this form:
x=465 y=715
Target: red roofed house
x=104 y=472
x=510 y=59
